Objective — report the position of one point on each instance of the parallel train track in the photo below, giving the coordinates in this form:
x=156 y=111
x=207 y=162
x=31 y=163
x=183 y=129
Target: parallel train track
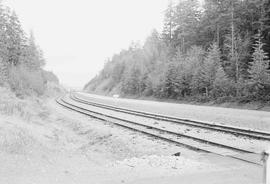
x=254 y=134
x=170 y=136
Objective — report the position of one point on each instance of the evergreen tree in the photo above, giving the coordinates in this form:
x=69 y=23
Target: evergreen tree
x=3 y=48
x=259 y=70
x=214 y=23
x=153 y=49
x=265 y=25
x=186 y=67
x=170 y=80
x=169 y=24
x=3 y=72
x=131 y=81
x=15 y=37
x=222 y=85
x=187 y=16
x=32 y=56
x=21 y=60
x=206 y=75
x=174 y=64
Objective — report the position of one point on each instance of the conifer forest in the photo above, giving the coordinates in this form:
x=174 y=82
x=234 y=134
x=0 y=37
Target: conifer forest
x=217 y=50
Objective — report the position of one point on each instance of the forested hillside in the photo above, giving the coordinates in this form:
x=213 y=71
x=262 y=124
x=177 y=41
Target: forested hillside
x=219 y=51
x=21 y=60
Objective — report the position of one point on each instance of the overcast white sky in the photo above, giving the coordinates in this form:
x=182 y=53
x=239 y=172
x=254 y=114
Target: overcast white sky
x=78 y=35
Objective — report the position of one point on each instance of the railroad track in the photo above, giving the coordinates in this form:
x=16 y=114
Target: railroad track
x=183 y=140
x=254 y=134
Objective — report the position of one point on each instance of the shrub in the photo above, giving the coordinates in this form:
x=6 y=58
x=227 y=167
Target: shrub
x=53 y=89
x=25 y=82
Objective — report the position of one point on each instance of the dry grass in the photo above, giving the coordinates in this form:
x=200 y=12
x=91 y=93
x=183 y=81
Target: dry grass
x=26 y=108
x=14 y=140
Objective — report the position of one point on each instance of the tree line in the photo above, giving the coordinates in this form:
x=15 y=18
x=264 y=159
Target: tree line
x=21 y=59
x=216 y=51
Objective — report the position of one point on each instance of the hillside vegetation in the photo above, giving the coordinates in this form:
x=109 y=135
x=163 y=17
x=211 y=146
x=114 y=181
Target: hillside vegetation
x=21 y=60
x=215 y=52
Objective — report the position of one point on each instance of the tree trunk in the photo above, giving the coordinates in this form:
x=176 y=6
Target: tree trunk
x=206 y=91
x=234 y=58
x=218 y=35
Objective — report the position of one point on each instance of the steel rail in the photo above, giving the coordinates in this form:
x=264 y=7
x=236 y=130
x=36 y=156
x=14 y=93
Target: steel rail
x=101 y=116
x=217 y=127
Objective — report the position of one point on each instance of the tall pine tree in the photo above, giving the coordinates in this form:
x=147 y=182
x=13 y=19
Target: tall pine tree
x=205 y=77
x=259 y=70
x=15 y=37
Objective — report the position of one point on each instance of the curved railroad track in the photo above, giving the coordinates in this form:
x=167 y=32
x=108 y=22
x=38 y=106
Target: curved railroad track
x=183 y=140
x=255 y=134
